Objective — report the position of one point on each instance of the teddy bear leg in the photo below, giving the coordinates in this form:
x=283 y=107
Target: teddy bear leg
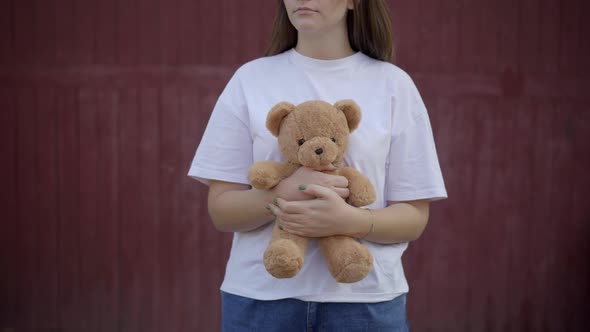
x=284 y=255
x=348 y=260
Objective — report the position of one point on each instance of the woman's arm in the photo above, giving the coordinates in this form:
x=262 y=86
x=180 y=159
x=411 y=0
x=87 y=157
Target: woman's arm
x=330 y=215
x=236 y=207
x=398 y=222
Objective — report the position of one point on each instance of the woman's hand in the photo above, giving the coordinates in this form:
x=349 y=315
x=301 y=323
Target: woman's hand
x=288 y=188
x=327 y=214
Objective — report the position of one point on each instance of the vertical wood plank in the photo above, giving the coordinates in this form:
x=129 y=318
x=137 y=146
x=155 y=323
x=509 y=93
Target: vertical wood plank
x=90 y=246
x=477 y=36
x=229 y=30
x=481 y=277
x=149 y=32
x=515 y=178
x=249 y=43
x=6 y=32
x=130 y=226
x=46 y=280
x=436 y=32
x=550 y=45
x=405 y=34
x=98 y=209
x=169 y=32
x=27 y=308
x=107 y=198
x=578 y=129
x=208 y=44
x=148 y=200
x=9 y=280
x=190 y=225
x=24 y=31
x=542 y=275
x=172 y=174
x=45 y=30
x=570 y=28
x=584 y=46
x=560 y=210
x=65 y=31
x=127 y=32
x=106 y=32
x=70 y=253
x=85 y=32
x=529 y=36
x=190 y=48
x=507 y=22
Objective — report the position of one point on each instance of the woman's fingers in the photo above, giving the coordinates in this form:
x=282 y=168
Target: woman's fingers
x=342 y=192
x=318 y=191
x=288 y=207
x=287 y=211
x=337 y=181
x=293 y=228
x=275 y=210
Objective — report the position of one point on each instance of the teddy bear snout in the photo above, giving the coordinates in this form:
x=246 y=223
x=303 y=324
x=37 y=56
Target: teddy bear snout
x=318 y=151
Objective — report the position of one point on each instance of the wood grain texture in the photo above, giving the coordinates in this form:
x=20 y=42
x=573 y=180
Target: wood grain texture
x=103 y=104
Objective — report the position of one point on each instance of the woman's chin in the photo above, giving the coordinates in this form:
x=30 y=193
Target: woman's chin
x=307 y=27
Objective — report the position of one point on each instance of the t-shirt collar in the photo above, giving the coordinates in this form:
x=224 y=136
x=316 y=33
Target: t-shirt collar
x=317 y=64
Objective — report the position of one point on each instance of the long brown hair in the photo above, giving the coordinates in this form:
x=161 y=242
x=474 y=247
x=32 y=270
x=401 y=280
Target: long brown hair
x=369 y=30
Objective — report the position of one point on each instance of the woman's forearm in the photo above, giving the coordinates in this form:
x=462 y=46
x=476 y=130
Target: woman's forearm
x=399 y=222
x=237 y=208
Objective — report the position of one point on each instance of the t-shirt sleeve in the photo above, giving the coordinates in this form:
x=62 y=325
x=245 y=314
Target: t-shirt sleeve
x=413 y=171
x=225 y=150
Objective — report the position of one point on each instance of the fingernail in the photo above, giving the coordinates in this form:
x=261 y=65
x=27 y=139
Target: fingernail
x=335 y=164
x=267 y=207
x=302 y=187
x=274 y=200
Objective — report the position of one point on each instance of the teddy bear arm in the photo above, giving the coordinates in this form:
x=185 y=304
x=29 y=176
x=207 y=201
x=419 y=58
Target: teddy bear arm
x=361 y=189
x=267 y=174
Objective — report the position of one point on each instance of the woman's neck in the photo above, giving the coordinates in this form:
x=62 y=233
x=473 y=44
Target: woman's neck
x=326 y=46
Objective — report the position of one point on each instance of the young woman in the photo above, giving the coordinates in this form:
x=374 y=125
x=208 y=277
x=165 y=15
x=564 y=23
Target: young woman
x=329 y=50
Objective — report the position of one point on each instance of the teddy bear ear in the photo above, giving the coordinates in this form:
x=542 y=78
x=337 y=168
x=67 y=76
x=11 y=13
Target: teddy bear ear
x=276 y=115
x=351 y=111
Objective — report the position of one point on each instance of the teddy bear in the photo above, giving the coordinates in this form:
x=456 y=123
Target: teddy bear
x=314 y=134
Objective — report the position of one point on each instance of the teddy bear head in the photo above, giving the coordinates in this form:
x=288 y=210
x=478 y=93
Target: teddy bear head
x=314 y=133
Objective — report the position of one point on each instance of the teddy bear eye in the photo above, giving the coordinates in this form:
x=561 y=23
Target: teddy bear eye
x=301 y=141
x=333 y=140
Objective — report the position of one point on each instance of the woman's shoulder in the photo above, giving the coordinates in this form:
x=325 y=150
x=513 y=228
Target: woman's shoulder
x=387 y=68
x=264 y=63
x=394 y=75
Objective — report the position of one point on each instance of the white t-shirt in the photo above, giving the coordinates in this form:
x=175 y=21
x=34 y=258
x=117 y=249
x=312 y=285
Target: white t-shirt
x=393 y=146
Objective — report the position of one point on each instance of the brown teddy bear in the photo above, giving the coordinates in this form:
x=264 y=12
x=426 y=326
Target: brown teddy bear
x=314 y=134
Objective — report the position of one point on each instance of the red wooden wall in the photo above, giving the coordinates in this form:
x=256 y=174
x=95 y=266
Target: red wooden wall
x=102 y=104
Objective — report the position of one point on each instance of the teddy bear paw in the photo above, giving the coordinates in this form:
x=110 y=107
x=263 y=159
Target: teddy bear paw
x=283 y=259
x=354 y=271
x=263 y=183
x=353 y=265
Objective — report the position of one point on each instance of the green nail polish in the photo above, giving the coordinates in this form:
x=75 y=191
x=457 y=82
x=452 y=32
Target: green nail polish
x=302 y=187
x=335 y=164
x=267 y=207
x=274 y=200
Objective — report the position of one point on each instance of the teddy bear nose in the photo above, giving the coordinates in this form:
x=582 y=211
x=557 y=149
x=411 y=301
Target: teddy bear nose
x=319 y=151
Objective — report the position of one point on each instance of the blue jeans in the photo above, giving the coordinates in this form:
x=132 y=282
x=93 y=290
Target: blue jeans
x=242 y=314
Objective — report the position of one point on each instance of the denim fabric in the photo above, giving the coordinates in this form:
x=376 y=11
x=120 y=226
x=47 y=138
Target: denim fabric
x=241 y=314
